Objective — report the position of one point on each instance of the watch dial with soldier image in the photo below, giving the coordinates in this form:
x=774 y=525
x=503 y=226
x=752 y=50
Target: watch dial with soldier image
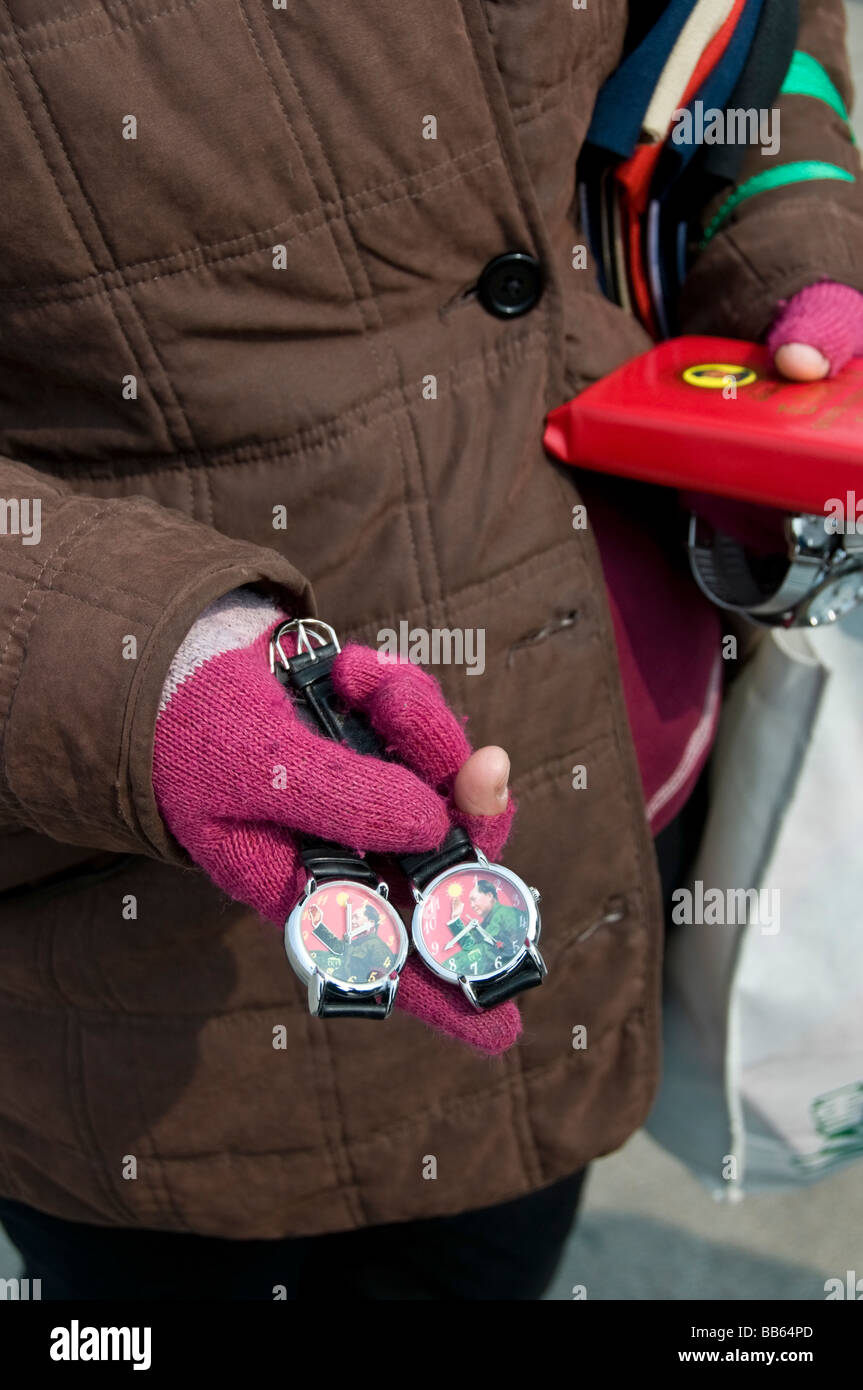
x=474 y=921
x=348 y=933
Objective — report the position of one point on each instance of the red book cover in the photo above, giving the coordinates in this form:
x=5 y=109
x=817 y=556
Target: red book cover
x=710 y=415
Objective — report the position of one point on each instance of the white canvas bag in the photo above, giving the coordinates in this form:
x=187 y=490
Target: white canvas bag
x=763 y=1072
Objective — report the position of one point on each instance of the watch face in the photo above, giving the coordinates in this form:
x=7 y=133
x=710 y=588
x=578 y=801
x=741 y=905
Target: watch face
x=473 y=921
x=838 y=597
x=348 y=932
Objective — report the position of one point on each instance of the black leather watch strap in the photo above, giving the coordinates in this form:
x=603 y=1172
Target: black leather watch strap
x=310 y=675
x=335 y=1005
x=325 y=861
x=422 y=868
x=525 y=976
x=723 y=565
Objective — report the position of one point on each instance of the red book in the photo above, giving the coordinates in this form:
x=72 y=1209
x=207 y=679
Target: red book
x=709 y=415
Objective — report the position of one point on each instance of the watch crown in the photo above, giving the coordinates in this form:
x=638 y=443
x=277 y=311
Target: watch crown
x=537 y=896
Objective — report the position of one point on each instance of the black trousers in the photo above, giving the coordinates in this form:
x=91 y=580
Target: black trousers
x=506 y=1252
x=509 y=1251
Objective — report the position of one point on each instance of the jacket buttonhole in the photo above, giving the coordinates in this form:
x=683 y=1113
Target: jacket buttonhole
x=614 y=911
x=458 y=301
x=560 y=622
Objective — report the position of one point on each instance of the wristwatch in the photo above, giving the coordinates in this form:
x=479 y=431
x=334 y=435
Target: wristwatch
x=817 y=581
x=343 y=938
x=475 y=924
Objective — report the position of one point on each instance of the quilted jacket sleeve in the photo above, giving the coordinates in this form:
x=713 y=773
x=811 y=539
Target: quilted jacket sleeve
x=95 y=597
x=772 y=241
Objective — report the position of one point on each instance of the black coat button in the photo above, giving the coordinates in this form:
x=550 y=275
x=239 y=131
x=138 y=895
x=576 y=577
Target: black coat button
x=510 y=284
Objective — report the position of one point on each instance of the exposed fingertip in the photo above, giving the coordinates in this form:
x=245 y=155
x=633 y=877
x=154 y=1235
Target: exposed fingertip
x=801 y=362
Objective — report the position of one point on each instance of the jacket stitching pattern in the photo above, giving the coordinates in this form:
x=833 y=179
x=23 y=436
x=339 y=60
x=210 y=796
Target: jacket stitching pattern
x=465 y=1102
x=206 y=255
x=24 y=620
x=371 y=314
x=82 y=1120
x=33 y=50
x=85 y=241
x=630 y=787
x=158 y=1166
x=510 y=353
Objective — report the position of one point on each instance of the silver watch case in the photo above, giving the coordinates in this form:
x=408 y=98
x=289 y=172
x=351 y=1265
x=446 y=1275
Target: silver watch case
x=309 y=970
x=823 y=581
x=531 y=899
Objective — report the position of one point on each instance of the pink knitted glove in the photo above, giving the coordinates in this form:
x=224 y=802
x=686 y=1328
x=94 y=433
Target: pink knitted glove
x=816 y=333
x=237 y=774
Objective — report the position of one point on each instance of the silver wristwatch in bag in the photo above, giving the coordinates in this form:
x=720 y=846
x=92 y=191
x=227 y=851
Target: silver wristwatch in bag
x=817 y=581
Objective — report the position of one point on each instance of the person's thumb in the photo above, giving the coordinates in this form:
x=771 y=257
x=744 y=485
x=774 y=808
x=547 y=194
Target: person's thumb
x=481 y=785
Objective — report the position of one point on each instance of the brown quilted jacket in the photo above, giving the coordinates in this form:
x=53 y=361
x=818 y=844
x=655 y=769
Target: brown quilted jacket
x=168 y=378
